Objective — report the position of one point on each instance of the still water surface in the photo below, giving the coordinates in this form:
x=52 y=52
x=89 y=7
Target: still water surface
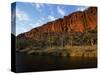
x=28 y=63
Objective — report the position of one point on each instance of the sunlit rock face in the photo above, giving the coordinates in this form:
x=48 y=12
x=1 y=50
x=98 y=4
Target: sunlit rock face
x=75 y=22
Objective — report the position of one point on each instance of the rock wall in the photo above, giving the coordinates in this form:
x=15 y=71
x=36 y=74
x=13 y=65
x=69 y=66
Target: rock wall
x=75 y=22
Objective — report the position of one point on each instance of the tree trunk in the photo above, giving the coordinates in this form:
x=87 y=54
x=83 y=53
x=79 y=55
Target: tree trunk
x=92 y=42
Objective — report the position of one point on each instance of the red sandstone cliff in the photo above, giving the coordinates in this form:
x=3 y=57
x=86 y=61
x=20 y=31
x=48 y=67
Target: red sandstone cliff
x=75 y=22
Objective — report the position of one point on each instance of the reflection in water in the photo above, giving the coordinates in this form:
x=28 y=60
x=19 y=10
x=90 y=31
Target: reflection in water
x=28 y=63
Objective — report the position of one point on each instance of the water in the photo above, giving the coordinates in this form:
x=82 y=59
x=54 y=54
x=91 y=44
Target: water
x=28 y=63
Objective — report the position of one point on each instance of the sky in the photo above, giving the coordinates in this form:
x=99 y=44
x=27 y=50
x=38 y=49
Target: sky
x=31 y=15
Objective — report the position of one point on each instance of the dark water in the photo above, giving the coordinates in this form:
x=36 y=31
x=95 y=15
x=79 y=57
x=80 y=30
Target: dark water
x=28 y=63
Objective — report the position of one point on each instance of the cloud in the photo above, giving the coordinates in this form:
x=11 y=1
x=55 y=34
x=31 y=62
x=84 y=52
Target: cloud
x=60 y=11
x=81 y=8
x=39 y=5
x=42 y=18
x=21 y=15
x=23 y=27
x=51 y=18
x=36 y=24
x=22 y=21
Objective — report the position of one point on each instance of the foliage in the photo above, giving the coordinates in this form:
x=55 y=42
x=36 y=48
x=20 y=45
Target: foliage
x=58 y=39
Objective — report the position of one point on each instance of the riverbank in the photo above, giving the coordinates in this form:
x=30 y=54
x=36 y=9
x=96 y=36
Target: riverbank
x=67 y=51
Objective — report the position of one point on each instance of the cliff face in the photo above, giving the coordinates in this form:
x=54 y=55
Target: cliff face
x=75 y=22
